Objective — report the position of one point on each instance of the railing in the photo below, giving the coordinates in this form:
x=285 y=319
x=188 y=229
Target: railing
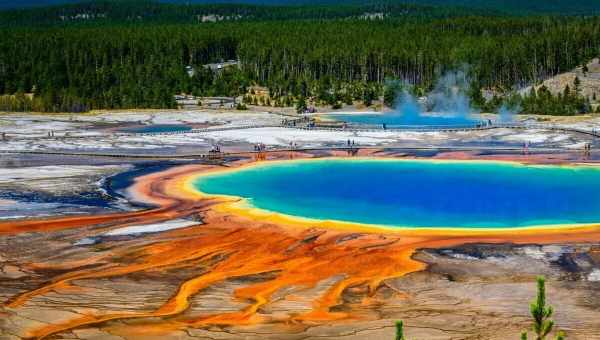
x=348 y=128
x=220 y=155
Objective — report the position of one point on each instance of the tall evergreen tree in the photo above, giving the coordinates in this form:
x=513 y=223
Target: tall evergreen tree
x=541 y=314
x=400 y=330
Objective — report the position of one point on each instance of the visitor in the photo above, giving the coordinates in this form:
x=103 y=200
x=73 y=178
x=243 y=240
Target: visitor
x=587 y=150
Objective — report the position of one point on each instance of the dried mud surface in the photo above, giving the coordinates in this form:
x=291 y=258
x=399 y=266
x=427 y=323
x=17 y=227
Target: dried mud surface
x=235 y=277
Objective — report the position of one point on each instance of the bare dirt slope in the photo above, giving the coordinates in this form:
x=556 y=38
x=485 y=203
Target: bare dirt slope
x=589 y=81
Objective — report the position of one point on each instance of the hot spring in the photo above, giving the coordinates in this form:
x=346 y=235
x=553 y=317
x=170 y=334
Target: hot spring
x=392 y=120
x=449 y=111
x=158 y=128
x=416 y=193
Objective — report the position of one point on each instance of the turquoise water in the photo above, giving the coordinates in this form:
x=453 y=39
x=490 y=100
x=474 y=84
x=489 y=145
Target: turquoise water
x=158 y=128
x=417 y=193
x=405 y=120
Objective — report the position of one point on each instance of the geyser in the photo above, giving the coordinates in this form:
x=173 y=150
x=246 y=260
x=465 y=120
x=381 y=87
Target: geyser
x=448 y=105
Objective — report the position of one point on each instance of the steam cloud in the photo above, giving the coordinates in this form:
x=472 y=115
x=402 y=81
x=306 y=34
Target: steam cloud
x=449 y=101
x=506 y=114
x=447 y=104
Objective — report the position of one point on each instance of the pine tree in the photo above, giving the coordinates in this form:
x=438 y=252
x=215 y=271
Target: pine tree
x=400 y=330
x=368 y=96
x=301 y=105
x=540 y=313
x=542 y=324
x=476 y=96
x=577 y=85
x=389 y=94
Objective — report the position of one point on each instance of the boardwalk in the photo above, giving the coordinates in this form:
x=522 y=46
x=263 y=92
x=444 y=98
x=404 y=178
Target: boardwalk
x=306 y=127
x=208 y=155
x=204 y=155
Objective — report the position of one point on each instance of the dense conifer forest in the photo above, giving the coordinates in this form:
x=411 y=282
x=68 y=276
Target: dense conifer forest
x=145 y=11
x=106 y=55
x=570 y=7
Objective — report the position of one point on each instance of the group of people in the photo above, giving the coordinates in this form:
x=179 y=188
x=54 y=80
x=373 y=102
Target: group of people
x=260 y=147
x=484 y=123
x=352 y=151
x=587 y=150
x=287 y=122
x=526 y=148
x=310 y=122
x=215 y=152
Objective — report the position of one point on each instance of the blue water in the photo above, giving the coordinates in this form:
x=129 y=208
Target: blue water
x=391 y=119
x=417 y=193
x=410 y=113
x=158 y=128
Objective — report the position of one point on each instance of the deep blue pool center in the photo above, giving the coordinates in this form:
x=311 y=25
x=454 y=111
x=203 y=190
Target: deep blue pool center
x=415 y=193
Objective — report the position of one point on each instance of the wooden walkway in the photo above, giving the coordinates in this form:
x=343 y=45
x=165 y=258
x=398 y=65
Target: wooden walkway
x=207 y=155
x=355 y=128
x=380 y=129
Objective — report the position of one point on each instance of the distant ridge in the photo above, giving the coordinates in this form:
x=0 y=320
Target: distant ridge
x=10 y=4
x=513 y=6
x=581 y=7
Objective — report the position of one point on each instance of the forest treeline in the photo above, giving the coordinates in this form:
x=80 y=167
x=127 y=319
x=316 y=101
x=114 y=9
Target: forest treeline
x=519 y=7
x=110 y=12
x=120 y=65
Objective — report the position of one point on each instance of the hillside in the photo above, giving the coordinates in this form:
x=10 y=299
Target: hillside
x=96 y=55
x=589 y=82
